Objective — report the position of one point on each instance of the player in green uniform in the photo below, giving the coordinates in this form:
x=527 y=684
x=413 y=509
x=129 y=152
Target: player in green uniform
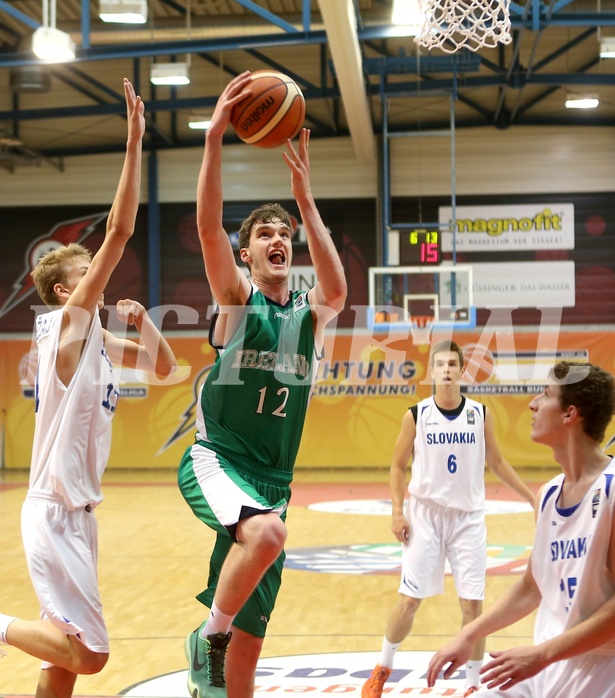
x=237 y=475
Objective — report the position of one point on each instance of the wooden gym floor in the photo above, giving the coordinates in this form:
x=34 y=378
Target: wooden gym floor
x=154 y=556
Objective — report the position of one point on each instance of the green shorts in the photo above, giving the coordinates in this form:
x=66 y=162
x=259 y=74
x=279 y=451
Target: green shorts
x=221 y=496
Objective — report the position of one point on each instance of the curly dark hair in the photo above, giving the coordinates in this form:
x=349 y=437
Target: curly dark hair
x=591 y=390
x=263 y=214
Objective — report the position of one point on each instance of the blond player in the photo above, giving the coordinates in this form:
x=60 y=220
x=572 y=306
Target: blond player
x=76 y=395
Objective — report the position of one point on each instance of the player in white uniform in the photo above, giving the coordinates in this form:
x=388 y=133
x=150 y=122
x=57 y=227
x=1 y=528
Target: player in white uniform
x=570 y=577
x=75 y=396
x=449 y=438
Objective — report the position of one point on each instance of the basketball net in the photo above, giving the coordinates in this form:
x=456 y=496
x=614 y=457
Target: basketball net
x=420 y=326
x=472 y=24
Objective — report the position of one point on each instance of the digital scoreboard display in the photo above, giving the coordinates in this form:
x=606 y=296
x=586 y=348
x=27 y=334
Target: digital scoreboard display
x=421 y=247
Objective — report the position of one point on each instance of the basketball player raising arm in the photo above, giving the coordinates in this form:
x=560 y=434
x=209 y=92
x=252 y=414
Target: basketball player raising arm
x=76 y=395
x=252 y=407
x=570 y=577
x=449 y=438
x=229 y=285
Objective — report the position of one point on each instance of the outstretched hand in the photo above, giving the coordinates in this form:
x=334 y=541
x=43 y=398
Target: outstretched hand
x=135 y=112
x=299 y=163
x=236 y=91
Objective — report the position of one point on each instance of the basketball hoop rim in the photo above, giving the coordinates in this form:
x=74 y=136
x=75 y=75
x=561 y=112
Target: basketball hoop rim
x=421 y=320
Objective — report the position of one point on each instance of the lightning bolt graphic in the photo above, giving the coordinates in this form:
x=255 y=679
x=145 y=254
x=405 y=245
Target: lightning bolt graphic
x=188 y=417
x=76 y=230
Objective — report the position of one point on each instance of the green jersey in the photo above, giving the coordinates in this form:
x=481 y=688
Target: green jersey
x=254 y=400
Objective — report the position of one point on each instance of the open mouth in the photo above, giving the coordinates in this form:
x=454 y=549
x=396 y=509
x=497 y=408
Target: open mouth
x=277 y=258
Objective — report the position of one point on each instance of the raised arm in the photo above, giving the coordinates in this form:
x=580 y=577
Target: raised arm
x=501 y=467
x=82 y=301
x=152 y=353
x=228 y=284
x=123 y=214
x=329 y=294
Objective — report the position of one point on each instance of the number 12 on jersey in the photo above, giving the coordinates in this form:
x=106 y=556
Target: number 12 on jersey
x=282 y=393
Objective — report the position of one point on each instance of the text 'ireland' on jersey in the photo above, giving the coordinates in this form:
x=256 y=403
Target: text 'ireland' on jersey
x=254 y=400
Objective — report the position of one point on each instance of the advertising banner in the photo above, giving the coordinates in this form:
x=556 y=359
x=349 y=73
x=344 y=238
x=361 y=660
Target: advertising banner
x=519 y=284
x=535 y=226
x=365 y=384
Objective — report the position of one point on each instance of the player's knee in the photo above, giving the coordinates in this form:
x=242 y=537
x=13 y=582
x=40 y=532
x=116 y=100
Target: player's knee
x=408 y=604
x=266 y=532
x=93 y=662
x=274 y=534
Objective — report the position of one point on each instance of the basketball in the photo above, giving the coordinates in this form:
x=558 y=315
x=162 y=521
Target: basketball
x=273 y=113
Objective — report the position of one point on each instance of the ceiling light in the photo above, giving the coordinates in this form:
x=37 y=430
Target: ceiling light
x=407 y=14
x=607 y=47
x=582 y=101
x=199 y=123
x=52 y=45
x=170 y=74
x=123 y=11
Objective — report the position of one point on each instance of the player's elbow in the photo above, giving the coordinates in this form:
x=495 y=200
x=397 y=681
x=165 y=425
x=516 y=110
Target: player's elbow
x=120 y=230
x=164 y=369
x=336 y=296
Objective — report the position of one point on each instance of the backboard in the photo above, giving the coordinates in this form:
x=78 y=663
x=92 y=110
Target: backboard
x=444 y=294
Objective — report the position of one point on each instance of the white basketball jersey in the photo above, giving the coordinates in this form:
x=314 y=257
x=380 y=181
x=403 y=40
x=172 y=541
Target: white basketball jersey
x=448 y=462
x=570 y=555
x=72 y=435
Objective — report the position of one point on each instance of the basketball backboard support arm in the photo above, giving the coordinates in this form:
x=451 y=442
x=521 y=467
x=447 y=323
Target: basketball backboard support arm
x=386 y=223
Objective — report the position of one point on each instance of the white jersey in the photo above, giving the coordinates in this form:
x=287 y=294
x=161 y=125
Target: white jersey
x=569 y=557
x=72 y=435
x=448 y=462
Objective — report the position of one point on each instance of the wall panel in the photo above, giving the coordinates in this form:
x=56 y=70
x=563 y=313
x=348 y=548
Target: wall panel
x=519 y=160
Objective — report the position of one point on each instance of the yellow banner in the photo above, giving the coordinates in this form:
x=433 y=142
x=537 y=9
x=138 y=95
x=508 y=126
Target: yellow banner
x=364 y=386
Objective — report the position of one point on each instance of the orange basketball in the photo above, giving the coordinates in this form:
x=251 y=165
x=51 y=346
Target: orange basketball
x=273 y=112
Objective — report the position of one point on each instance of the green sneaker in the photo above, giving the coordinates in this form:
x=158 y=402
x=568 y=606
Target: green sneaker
x=206 y=664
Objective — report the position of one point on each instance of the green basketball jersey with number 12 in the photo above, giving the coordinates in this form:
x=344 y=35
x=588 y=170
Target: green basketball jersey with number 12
x=254 y=400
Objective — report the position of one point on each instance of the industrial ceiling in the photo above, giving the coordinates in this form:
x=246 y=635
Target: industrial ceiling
x=357 y=76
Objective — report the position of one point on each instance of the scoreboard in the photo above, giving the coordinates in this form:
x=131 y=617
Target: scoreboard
x=421 y=247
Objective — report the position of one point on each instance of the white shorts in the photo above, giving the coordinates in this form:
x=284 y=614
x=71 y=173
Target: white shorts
x=587 y=675
x=217 y=493
x=62 y=554
x=437 y=534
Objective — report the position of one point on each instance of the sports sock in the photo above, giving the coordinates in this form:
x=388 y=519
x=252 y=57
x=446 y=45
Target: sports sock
x=388 y=652
x=217 y=622
x=5 y=621
x=473 y=672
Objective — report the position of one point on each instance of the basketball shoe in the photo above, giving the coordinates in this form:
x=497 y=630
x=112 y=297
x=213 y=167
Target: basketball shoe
x=206 y=664
x=372 y=688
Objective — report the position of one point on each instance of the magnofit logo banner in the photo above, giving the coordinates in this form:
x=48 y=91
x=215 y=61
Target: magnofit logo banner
x=508 y=227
